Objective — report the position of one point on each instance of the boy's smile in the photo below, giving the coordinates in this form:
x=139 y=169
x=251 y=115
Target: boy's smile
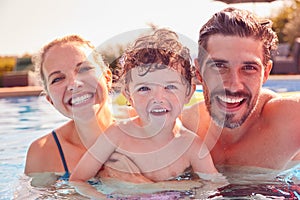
x=154 y=96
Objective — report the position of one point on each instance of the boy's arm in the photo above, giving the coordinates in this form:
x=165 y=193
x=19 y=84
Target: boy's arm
x=203 y=165
x=87 y=190
x=94 y=158
x=201 y=159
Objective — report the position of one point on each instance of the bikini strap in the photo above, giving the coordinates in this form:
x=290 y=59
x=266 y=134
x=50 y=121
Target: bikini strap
x=67 y=173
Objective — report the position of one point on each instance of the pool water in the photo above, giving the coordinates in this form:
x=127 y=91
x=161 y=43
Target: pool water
x=283 y=85
x=24 y=119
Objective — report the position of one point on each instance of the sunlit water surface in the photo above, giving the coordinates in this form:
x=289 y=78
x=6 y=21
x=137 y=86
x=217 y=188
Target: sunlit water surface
x=24 y=119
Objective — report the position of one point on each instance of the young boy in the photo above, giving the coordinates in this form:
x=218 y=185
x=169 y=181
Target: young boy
x=157 y=73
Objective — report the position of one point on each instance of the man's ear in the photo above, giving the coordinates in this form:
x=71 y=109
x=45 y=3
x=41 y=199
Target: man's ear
x=49 y=99
x=267 y=70
x=197 y=70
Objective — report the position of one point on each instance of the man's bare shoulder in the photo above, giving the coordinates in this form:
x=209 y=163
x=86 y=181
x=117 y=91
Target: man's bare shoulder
x=280 y=104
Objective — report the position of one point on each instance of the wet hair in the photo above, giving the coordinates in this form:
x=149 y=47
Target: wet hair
x=38 y=59
x=158 y=50
x=237 y=22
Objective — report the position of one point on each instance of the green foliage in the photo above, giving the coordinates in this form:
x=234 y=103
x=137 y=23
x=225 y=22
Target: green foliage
x=112 y=52
x=286 y=22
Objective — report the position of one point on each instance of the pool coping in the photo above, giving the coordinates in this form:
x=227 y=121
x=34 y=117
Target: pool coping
x=20 y=91
x=37 y=90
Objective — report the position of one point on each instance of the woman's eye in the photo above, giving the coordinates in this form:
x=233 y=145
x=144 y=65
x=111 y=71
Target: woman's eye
x=55 y=80
x=143 y=89
x=84 y=69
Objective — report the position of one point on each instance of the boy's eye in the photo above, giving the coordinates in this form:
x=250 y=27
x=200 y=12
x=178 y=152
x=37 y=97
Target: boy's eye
x=143 y=89
x=170 y=87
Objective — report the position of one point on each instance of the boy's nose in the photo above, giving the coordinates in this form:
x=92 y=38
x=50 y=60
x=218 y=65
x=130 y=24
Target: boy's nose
x=158 y=95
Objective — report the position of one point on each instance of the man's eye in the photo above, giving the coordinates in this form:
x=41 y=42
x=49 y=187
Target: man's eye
x=143 y=89
x=249 y=68
x=220 y=67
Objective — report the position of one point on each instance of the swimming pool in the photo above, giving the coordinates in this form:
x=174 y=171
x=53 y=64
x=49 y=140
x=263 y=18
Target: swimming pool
x=24 y=119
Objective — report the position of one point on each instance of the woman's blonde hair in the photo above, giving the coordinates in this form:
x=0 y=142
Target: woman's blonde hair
x=38 y=59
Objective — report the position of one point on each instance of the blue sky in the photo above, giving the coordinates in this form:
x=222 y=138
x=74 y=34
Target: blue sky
x=26 y=25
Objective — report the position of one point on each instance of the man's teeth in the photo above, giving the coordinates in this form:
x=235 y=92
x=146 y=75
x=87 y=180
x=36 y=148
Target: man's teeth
x=81 y=99
x=230 y=100
x=159 y=110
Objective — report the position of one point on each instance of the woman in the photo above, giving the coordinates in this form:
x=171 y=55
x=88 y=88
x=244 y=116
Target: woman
x=72 y=82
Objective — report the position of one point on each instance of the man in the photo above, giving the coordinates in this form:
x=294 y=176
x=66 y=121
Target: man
x=242 y=124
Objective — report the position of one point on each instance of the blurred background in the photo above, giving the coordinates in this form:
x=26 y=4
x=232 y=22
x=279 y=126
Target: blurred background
x=28 y=25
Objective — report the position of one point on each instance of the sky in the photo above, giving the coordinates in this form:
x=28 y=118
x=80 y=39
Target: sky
x=27 y=25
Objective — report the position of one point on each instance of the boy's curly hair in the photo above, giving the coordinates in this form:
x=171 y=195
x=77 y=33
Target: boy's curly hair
x=159 y=50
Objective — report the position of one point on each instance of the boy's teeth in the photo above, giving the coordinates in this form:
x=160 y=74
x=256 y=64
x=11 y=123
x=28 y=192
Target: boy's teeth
x=80 y=99
x=230 y=100
x=159 y=110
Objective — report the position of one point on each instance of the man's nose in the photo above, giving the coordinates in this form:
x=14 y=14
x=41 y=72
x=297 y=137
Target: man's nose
x=234 y=81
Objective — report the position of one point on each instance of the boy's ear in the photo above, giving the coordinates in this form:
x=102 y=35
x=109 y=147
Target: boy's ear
x=127 y=95
x=197 y=72
x=189 y=96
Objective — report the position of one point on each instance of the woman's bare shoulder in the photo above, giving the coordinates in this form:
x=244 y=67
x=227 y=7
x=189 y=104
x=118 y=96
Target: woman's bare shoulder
x=38 y=153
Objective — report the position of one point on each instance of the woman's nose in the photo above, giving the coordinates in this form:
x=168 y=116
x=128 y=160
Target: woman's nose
x=74 y=84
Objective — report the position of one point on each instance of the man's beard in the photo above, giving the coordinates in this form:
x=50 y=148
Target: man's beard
x=226 y=120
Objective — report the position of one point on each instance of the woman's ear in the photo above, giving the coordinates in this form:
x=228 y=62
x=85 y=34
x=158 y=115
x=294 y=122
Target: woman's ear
x=108 y=78
x=49 y=99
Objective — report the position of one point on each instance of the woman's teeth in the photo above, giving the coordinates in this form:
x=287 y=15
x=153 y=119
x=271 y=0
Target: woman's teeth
x=80 y=99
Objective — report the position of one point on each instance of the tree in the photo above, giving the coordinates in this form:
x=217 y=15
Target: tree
x=292 y=27
x=286 y=22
